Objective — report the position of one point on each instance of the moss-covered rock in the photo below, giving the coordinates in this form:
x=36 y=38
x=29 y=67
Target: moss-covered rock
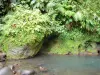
x=22 y=52
x=64 y=44
x=23 y=32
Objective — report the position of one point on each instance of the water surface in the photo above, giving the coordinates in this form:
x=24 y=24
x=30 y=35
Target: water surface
x=62 y=64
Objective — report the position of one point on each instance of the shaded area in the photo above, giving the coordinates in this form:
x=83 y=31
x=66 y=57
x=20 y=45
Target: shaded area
x=60 y=44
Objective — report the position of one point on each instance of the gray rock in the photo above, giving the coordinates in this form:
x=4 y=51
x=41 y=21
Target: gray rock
x=26 y=72
x=23 y=51
x=6 y=71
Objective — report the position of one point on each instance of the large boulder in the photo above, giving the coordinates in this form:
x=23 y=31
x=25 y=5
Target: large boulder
x=6 y=71
x=23 y=33
x=22 y=52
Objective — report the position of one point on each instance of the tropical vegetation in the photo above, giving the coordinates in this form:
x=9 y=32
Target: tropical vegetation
x=64 y=25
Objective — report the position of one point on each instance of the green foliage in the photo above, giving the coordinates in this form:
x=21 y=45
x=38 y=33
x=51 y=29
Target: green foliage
x=71 y=14
x=75 y=21
x=24 y=26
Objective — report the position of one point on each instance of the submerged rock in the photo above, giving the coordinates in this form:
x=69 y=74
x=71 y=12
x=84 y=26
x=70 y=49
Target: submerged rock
x=26 y=72
x=43 y=69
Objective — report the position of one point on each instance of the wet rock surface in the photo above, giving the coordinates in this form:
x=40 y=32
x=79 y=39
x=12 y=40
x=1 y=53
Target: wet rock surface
x=13 y=70
x=6 y=71
x=26 y=72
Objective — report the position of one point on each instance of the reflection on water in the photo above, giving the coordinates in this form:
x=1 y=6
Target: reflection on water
x=62 y=64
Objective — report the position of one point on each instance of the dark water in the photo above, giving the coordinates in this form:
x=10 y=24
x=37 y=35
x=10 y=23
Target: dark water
x=62 y=64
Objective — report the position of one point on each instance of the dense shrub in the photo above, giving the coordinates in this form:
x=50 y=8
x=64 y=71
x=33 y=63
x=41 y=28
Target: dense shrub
x=24 y=26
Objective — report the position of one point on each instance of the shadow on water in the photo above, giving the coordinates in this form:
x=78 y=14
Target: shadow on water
x=61 y=64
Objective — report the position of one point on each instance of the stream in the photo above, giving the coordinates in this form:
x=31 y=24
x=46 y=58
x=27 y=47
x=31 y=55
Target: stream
x=61 y=64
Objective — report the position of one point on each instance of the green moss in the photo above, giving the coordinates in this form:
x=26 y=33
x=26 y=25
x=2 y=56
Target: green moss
x=63 y=47
x=71 y=43
x=30 y=51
